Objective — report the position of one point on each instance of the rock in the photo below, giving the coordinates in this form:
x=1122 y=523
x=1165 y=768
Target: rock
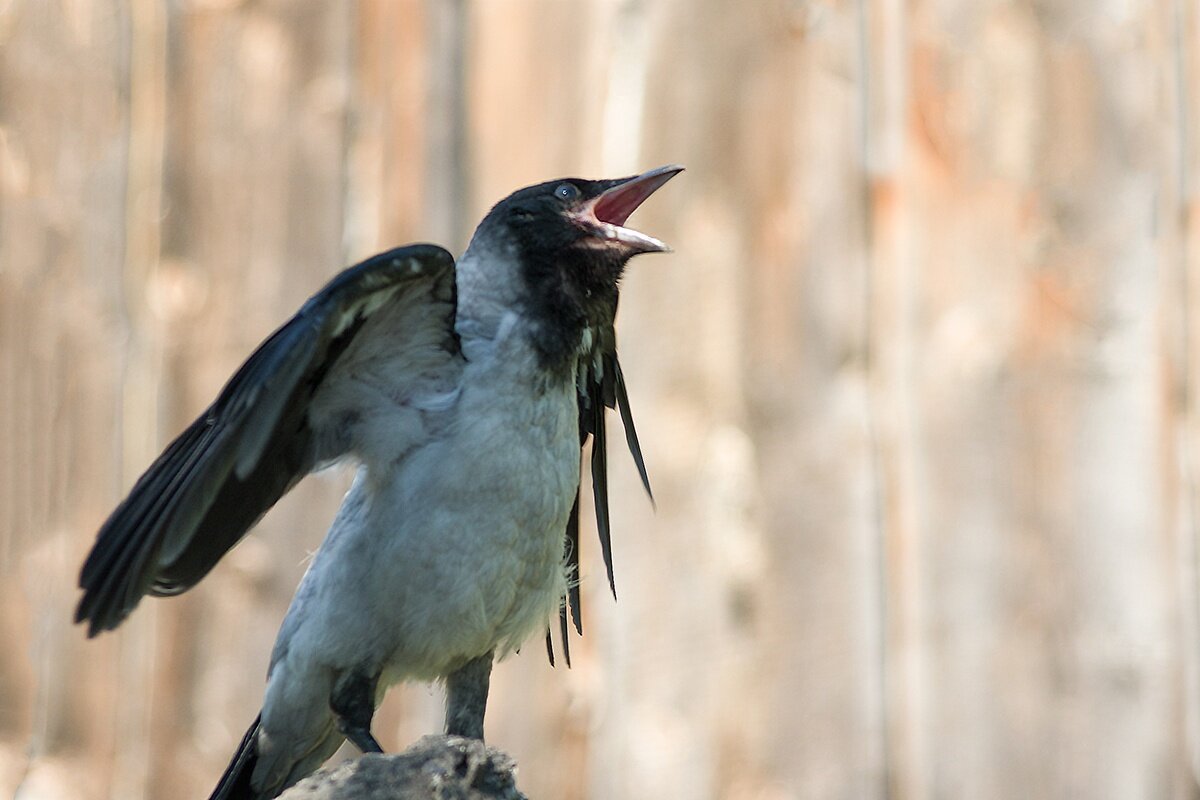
x=435 y=768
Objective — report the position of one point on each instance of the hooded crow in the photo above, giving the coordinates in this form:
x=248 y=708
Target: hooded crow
x=465 y=393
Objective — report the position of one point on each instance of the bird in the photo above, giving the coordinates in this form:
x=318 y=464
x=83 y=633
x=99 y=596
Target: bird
x=465 y=392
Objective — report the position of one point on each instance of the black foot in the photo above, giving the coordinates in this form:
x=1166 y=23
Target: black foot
x=353 y=702
x=466 y=697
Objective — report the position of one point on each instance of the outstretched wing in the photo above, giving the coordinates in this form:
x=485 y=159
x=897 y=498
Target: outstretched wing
x=261 y=435
x=601 y=386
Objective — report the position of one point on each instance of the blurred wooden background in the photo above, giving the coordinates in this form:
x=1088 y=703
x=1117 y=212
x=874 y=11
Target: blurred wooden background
x=918 y=389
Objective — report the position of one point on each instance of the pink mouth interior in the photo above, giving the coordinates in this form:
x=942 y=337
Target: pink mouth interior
x=615 y=205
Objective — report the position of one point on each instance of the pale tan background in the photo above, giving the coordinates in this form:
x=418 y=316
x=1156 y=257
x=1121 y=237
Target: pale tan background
x=918 y=389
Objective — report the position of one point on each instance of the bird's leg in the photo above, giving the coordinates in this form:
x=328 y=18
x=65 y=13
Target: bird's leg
x=353 y=702
x=466 y=697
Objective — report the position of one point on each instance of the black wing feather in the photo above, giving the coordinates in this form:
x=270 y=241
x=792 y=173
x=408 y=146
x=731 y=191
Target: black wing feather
x=596 y=393
x=600 y=491
x=631 y=438
x=563 y=634
x=573 y=567
x=219 y=476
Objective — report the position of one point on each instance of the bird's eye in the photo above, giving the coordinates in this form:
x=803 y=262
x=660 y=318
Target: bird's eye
x=567 y=191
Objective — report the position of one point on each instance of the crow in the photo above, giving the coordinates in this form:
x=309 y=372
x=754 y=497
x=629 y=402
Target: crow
x=466 y=393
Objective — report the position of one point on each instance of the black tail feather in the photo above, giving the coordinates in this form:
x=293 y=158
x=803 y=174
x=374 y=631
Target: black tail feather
x=235 y=783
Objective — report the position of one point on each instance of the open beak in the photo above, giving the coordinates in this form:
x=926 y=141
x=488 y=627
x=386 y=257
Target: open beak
x=606 y=213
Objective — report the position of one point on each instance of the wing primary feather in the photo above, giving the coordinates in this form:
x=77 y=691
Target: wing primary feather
x=600 y=491
x=190 y=486
x=631 y=437
x=125 y=578
x=108 y=549
x=114 y=589
x=286 y=370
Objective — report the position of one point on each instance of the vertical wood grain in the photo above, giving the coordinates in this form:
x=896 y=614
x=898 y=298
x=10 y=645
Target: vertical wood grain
x=917 y=389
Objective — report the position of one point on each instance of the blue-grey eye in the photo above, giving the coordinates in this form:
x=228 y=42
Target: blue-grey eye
x=567 y=191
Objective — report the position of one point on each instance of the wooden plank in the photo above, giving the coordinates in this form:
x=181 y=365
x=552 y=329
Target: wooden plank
x=917 y=390
x=63 y=161
x=1050 y=656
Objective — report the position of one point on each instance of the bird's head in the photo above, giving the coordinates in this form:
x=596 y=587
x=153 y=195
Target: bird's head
x=583 y=221
x=572 y=245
